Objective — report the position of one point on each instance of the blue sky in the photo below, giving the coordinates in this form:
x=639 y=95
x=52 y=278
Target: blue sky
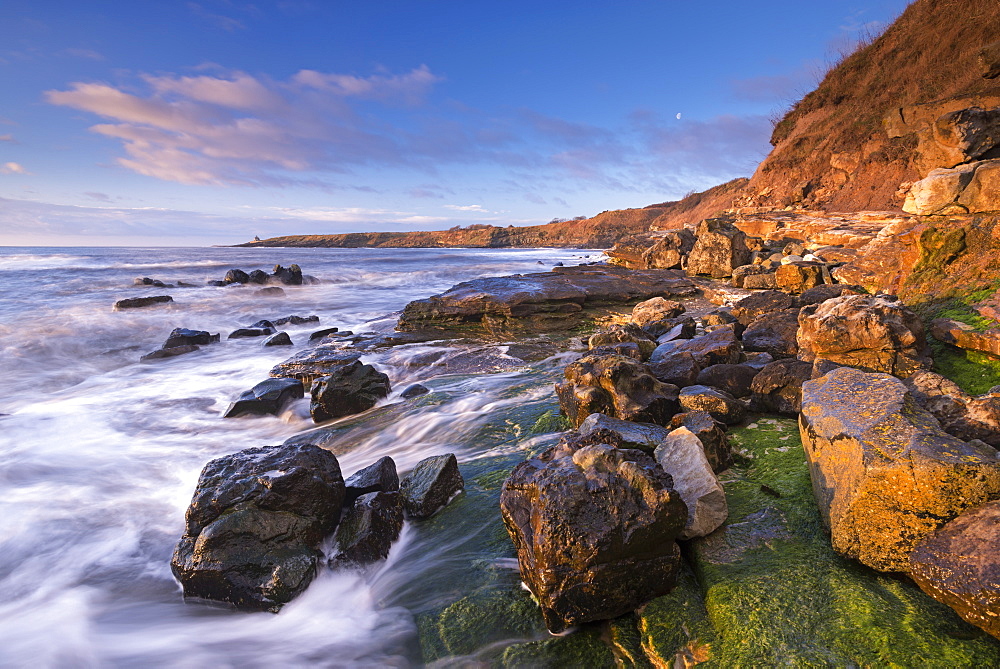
x=194 y=123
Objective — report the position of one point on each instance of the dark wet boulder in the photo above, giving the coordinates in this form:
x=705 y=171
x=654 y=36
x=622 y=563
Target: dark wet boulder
x=777 y=388
x=680 y=369
x=775 y=333
x=430 y=485
x=415 y=390
x=295 y=320
x=312 y=363
x=171 y=352
x=141 y=302
x=347 y=390
x=278 y=339
x=255 y=524
x=325 y=332
x=959 y=564
x=290 y=276
x=747 y=310
x=681 y=327
x=712 y=435
x=380 y=476
x=715 y=348
x=236 y=276
x=264 y=324
x=244 y=333
x=594 y=530
x=721 y=405
x=734 y=379
x=884 y=473
x=873 y=333
x=628 y=434
x=617 y=386
x=368 y=529
x=184 y=337
x=270 y=291
x=266 y=398
x=629 y=333
x=258 y=276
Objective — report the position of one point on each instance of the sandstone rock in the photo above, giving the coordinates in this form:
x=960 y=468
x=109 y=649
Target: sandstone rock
x=640 y=436
x=734 y=379
x=669 y=250
x=765 y=281
x=965 y=336
x=826 y=291
x=140 y=302
x=775 y=333
x=875 y=333
x=797 y=277
x=430 y=485
x=721 y=316
x=777 y=388
x=744 y=272
x=717 y=347
x=959 y=564
x=623 y=334
x=379 y=476
x=967 y=134
x=747 y=310
x=712 y=435
x=627 y=349
x=310 y=364
x=683 y=457
x=171 y=352
x=938 y=192
x=884 y=473
x=616 y=386
x=719 y=404
x=989 y=60
x=256 y=521
x=719 y=248
x=348 y=389
x=594 y=530
x=267 y=397
x=758 y=360
x=655 y=309
x=185 y=337
x=983 y=191
x=368 y=528
x=679 y=369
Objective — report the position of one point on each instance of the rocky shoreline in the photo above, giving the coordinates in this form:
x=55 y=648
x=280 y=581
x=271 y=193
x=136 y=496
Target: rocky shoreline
x=673 y=475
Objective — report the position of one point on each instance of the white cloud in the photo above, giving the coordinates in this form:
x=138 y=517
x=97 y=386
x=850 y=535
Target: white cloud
x=12 y=168
x=466 y=207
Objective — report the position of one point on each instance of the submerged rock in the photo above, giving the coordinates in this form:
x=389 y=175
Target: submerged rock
x=279 y=339
x=255 y=524
x=171 y=352
x=140 y=302
x=430 y=485
x=348 y=389
x=267 y=397
x=594 y=530
x=184 y=337
x=884 y=473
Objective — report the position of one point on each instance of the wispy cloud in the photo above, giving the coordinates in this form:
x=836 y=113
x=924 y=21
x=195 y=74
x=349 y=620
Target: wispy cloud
x=85 y=54
x=226 y=23
x=466 y=207
x=13 y=168
x=6 y=138
x=100 y=197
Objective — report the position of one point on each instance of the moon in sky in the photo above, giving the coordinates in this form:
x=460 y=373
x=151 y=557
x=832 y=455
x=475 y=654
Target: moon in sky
x=678 y=116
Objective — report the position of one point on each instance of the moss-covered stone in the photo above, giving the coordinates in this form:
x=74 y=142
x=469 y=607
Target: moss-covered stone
x=676 y=626
x=583 y=649
x=776 y=591
x=626 y=642
x=488 y=616
x=550 y=421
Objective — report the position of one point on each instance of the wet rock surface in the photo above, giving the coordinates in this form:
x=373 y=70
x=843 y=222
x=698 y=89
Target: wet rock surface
x=594 y=530
x=255 y=523
x=141 y=302
x=184 y=336
x=267 y=397
x=368 y=529
x=777 y=388
x=617 y=386
x=430 y=485
x=348 y=389
x=719 y=404
x=380 y=476
x=885 y=475
x=312 y=363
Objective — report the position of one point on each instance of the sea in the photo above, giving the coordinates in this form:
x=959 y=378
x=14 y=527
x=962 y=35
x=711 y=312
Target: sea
x=100 y=453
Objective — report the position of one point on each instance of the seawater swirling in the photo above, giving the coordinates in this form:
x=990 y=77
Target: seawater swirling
x=99 y=454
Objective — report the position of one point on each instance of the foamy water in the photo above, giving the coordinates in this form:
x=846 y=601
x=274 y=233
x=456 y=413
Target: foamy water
x=99 y=454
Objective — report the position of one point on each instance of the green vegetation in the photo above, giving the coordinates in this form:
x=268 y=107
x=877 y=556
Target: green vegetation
x=974 y=372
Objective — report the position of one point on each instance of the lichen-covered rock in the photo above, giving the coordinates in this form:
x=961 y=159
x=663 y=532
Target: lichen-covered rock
x=368 y=528
x=720 y=247
x=754 y=274
x=682 y=455
x=617 y=386
x=874 y=333
x=254 y=526
x=267 y=397
x=797 y=277
x=959 y=564
x=884 y=473
x=775 y=333
x=721 y=405
x=430 y=485
x=777 y=388
x=348 y=389
x=594 y=529
x=734 y=379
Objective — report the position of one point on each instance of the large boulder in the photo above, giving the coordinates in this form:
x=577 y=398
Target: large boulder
x=884 y=473
x=669 y=251
x=798 y=277
x=734 y=379
x=682 y=455
x=655 y=309
x=720 y=247
x=679 y=369
x=874 y=333
x=430 y=485
x=347 y=390
x=641 y=436
x=617 y=386
x=185 y=337
x=959 y=564
x=594 y=529
x=777 y=388
x=965 y=336
x=255 y=524
x=722 y=406
x=267 y=397
x=290 y=276
x=938 y=192
x=368 y=528
x=775 y=333
x=380 y=476
x=629 y=333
